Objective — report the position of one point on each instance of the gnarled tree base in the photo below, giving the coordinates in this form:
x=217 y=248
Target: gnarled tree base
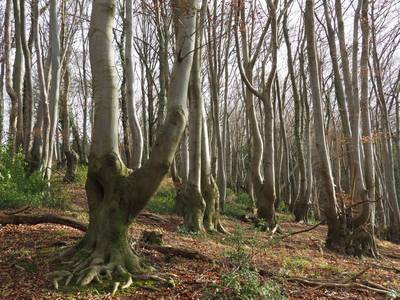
x=89 y=262
x=194 y=209
x=358 y=242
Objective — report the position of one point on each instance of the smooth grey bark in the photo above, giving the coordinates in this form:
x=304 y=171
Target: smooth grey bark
x=146 y=149
x=70 y=156
x=163 y=34
x=36 y=159
x=12 y=127
x=194 y=204
x=18 y=75
x=348 y=86
x=359 y=192
x=335 y=238
x=122 y=44
x=339 y=92
x=307 y=128
x=285 y=190
x=137 y=138
x=301 y=205
x=115 y=194
x=387 y=147
x=256 y=140
x=215 y=72
x=2 y=71
x=267 y=208
x=54 y=92
x=264 y=188
x=27 y=99
x=86 y=92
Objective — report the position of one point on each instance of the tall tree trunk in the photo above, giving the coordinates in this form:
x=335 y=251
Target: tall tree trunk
x=27 y=85
x=70 y=155
x=194 y=204
x=18 y=75
x=115 y=196
x=2 y=71
x=86 y=93
x=12 y=127
x=387 y=151
x=336 y=237
x=122 y=47
x=266 y=209
x=54 y=84
x=36 y=161
x=301 y=205
x=137 y=138
x=365 y=112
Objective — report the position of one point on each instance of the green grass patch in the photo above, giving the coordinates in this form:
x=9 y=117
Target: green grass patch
x=238 y=206
x=19 y=188
x=163 y=202
x=241 y=280
x=81 y=174
x=294 y=265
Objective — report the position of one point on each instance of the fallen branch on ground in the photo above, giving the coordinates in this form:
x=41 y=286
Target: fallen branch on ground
x=34 y=219
x=366 y=285
x=336 y=283
x=17 y=211
x=186 y=253
x=284 y=236
x=153 y=217
x=354 y=277
x=388 y=268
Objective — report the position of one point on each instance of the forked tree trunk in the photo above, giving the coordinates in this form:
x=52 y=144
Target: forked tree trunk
x=18 y=75
x=369 y=166
x=301 y=205
x=336 y=234
x=209 y=187
x=12 y=127
x=264 y=188
x=137 y=138
x=36 y=161
x=194 y=205
x=54 y=85
x=387 y=151
x=116 y=195
x=266 y=209
x=70 y=155
x=27 y=86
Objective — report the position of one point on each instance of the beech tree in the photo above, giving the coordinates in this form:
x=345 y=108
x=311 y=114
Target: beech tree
x=290 y=108
x=115 y=193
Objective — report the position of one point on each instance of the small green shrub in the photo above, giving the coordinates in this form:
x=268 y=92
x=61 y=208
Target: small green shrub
x=242 y=281
x=230 y=192
x=282 y=207
x=294 y=265
x=163 y=202
x=238 y=206
x=81 y=174
x=18 y=188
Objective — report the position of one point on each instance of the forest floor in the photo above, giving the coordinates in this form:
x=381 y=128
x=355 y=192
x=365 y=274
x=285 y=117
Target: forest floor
x=25 y=252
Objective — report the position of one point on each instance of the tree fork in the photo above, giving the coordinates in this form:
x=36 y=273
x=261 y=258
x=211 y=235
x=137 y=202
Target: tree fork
x=116 y=195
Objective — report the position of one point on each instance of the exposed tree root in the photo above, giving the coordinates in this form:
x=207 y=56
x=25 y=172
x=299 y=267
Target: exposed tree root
x=117 y=265
x=221 y=228
x=28 y=219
